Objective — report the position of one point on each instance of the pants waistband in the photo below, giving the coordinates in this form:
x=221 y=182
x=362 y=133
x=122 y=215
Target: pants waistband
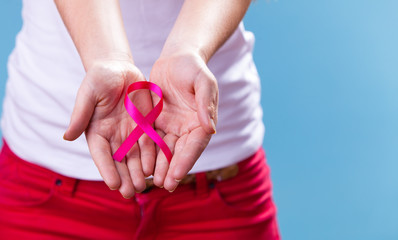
x=201 y=182
x=44 y=177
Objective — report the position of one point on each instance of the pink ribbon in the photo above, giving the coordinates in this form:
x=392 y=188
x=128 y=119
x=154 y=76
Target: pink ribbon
x=143 y=123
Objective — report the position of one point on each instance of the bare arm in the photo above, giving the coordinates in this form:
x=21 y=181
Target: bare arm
x=204 y=25
x=97 y=30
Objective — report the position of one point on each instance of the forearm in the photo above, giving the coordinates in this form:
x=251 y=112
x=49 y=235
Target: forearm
x=96 y=27
x=204 y=25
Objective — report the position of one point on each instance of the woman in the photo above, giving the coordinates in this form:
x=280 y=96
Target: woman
x=200 y=55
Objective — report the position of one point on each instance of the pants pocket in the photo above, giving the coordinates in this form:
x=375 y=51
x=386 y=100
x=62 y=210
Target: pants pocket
x=18 y=188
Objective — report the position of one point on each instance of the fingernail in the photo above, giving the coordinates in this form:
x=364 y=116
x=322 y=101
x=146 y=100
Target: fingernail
x=213 y=125
x=177 y=180
x=127 y=197
x=172 y=190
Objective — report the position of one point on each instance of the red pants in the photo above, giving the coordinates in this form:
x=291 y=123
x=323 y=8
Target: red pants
x=36 y=203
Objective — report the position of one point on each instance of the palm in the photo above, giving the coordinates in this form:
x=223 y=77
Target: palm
x=99 y=111
x=179 y=116
x=190 y=97
x=109 y=120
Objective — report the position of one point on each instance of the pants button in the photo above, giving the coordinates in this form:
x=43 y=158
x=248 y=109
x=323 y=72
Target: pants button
x=58 y=182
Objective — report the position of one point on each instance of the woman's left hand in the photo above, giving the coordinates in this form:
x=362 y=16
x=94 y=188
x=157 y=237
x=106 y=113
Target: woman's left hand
x=189 y=115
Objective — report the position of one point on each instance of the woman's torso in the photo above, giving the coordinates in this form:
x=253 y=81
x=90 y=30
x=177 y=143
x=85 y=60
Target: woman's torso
x=45 y=72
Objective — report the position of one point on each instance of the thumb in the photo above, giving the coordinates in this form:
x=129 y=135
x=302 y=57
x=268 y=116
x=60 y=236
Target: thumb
x=206 y=97
x=82 y=112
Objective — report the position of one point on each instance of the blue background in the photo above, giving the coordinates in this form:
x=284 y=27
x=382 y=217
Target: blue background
x=329 y=73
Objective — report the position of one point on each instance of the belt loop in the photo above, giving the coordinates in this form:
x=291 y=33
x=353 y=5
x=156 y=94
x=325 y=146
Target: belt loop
x=201 y=184
x=77 y=181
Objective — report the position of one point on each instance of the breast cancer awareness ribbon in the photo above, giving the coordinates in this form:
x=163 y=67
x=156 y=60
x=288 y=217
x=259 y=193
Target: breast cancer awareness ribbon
x=143 y=123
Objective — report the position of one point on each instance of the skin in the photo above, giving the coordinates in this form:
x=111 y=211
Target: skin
x=97 y=31
x=190 y=90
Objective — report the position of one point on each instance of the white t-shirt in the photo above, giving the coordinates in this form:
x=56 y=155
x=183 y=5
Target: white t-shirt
x=45 y=72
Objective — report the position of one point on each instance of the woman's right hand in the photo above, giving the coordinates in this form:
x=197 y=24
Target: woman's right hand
x=99 y=112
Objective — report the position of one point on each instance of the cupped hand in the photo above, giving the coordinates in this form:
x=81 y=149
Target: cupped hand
x=189 y=115
x=99 y=112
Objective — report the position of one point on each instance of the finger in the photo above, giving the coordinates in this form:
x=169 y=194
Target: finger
x=171 y=184
x=148 y=154
x=186 y=154
x=101 y=154
x=206 y=97
x=143 y=102
x=82 y=112
x=126 y=186
x=135 y=169
x=161 y=134
x=162 y=165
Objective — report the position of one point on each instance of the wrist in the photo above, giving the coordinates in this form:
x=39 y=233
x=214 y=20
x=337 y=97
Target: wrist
x=173 y=49
x=107 y=57
x=114 y=70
